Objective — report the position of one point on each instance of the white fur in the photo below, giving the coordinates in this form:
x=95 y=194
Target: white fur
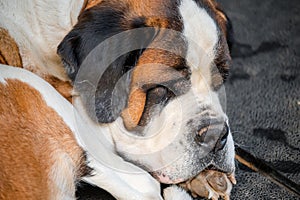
x=166 y=129
x=231 y=152
x=62 y=187
x=202 y=37
x=201 y=33
x=124 y=182
x=38 y=27
x=124 y=185
x=176 y=193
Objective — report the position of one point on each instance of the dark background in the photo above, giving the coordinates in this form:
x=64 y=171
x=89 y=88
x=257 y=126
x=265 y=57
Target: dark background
x=263 y=94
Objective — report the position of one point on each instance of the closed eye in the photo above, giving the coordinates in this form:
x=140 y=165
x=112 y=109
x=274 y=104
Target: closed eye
x=157 y=99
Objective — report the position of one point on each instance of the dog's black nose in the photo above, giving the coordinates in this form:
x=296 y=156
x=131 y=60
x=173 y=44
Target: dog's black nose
x=223 y=138
x=215 y=135
x=200 y=136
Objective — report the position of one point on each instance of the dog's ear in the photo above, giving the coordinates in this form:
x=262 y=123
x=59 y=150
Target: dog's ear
x=160 y=73
x=96 y=26
x=66 y=50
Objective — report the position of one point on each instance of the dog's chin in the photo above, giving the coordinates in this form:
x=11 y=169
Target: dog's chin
x=186 y=169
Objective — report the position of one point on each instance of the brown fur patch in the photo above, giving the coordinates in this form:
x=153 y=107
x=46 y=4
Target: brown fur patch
x=220 y=16
x=32 y=135
x=9 y=50
x=155 y=65
x=133 y=113
x=151 y=8
x=63 y=87
x=145 y=77
x=92 y=3
x=157 y=13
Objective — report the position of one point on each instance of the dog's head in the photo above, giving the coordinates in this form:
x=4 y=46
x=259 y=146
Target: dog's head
x=161 y=65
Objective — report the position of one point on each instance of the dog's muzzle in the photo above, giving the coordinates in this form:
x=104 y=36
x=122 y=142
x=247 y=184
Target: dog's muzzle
x=212 y=147
x=205 y=136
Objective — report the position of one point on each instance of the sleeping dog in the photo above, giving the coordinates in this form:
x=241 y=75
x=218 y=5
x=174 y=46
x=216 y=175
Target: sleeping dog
x=148 y=75
x=176 y=58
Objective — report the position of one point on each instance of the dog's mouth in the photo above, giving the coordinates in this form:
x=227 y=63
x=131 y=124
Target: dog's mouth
x=162 y=177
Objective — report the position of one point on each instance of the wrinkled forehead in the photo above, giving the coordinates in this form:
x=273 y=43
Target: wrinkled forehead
x=200 y=23
x=172 y=14
x=155 y=42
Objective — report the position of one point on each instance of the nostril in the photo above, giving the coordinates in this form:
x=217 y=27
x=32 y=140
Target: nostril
x=200 y=136
x=223 y=139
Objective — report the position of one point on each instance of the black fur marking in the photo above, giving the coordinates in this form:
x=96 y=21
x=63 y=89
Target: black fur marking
x=230 y=33
x=94 y=26
x=84 y=169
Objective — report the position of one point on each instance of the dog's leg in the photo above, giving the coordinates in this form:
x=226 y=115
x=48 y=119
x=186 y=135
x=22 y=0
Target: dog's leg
x=127 y=182
x=124 y=185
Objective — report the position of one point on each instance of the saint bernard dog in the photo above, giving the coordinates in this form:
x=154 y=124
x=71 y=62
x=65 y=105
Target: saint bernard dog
x=145 y=79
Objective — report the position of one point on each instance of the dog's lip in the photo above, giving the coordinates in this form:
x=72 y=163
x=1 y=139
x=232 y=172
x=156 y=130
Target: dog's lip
x=165 y=179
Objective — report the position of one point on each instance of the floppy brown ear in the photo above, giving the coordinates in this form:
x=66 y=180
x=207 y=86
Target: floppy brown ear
x=145 y=77
x=155 y=68
x=162 y=65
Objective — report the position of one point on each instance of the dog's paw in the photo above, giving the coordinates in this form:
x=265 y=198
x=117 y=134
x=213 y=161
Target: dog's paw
x=176 y=193
x=210 y=184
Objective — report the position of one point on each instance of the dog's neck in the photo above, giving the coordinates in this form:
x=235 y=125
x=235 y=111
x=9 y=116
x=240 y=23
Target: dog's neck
x=38 y=27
